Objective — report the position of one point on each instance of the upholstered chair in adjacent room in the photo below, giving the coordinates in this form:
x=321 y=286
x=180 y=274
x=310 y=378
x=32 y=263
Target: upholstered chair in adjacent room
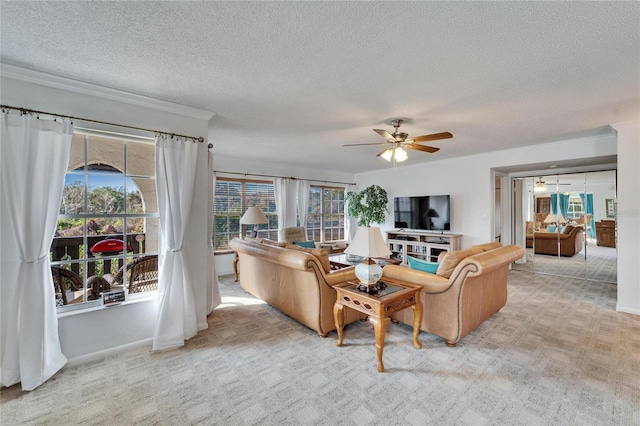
x=295 y=234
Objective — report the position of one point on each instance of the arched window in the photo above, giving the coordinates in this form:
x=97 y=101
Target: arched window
x=107 y=234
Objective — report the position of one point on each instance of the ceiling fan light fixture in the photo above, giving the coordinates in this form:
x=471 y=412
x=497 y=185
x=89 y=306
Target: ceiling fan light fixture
x=387 y=154
x=400 y=154
x=539 y=187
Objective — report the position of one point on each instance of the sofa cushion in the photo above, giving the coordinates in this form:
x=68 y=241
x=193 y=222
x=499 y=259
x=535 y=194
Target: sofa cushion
x=449 y=260
x=321 y=254
x=422 y=265
x=274 y=243
x=305 y=244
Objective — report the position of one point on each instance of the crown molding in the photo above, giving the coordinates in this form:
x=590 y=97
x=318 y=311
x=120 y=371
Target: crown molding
x=63 y=83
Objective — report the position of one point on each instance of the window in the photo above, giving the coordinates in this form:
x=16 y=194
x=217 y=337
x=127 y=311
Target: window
x=232 y=198
x=107 y=233
x=575 y=207
x=325 y=219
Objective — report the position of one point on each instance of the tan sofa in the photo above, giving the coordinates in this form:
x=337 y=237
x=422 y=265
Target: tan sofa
x=468 y=287
x=296 y=281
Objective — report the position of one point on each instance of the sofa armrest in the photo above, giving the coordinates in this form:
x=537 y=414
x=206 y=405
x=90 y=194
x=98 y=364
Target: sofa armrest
x=341 y=275
x=431 y=283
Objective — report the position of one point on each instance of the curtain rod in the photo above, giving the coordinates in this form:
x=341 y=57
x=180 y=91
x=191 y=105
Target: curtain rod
x=284 y=177
x=32 y=111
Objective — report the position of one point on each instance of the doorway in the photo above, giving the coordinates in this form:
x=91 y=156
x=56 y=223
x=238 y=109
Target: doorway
x=566 y=224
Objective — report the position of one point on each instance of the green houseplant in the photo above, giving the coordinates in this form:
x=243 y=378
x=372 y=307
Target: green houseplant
x=368 y=206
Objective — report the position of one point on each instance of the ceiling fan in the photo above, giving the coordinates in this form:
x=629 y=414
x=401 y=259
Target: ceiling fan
x=539 y=186
x=399 y=140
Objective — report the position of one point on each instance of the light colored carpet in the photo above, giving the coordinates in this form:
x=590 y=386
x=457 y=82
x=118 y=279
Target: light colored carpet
x=557 y=354
x=599 y=264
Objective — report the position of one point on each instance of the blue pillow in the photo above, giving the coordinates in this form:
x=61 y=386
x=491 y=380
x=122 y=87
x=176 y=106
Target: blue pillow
x=305 y=244
x=422 y=265
x=551 y=228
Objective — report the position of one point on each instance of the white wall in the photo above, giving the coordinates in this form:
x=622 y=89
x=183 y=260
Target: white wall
x=628 y=217
x=469 y=181
x=94 y=333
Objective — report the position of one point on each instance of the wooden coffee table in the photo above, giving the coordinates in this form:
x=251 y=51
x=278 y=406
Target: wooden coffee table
x=396 y=296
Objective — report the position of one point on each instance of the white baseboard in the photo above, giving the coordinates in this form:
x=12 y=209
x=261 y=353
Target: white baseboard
x=627 y=310
x=95 y=356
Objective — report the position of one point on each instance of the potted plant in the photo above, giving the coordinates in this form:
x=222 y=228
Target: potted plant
x=368 y=206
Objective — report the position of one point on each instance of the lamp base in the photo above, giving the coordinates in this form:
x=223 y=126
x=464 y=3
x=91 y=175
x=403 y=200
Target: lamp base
x=372 y=288
x=368 y=272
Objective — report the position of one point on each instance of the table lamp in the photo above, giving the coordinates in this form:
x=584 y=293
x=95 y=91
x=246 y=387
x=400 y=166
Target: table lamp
x=556 y=219
x=253 y=216
x=368 y=243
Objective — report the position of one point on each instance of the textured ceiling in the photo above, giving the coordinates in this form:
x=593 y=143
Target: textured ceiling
x=294 y=81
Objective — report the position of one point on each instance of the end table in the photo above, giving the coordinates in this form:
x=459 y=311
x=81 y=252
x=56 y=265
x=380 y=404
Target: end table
x=395 y=296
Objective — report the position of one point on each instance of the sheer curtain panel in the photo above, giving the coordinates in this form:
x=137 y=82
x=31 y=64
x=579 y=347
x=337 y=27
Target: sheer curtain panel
x=281 y=193
x=302 y=199
x=175 y=176
x=213 y=289
x=34 y=155
x=350 y=223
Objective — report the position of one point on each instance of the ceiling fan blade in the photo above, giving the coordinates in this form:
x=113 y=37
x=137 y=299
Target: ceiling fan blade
x=383 y=151
x=433 y=137
x=388 y=136
x=423 y=148
x=365 y=144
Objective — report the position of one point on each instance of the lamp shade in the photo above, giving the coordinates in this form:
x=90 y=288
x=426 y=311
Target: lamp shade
x=554 y=218
x=368 y=242
x=397 y=153
x=253 y=216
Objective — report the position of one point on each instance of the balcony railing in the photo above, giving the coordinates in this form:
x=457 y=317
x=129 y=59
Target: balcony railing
x=71 y=246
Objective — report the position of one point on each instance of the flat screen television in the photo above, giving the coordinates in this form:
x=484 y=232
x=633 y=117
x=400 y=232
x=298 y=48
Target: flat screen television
x=429 y=212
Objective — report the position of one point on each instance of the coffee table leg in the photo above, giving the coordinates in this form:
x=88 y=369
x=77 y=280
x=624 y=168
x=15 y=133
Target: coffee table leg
x=338 y=317
x=380 y=329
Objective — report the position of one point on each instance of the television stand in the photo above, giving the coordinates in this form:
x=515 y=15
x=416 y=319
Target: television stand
x=422 y=245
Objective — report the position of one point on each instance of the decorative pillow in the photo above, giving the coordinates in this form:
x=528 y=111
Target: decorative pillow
x=422 y=265
x=321 y=254
x=567 y=229
x=551 y=228
x=305 y=244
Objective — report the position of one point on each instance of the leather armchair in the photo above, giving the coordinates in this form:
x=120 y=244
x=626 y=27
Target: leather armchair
x=476 y=289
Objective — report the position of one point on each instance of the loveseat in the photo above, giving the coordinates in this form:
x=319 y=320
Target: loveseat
x=295 y=280
x=468 y=287
x=571 y=238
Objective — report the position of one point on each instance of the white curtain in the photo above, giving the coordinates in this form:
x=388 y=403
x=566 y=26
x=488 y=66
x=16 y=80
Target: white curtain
x=281 y=193
x=302 y=200
x=34 y=156
x=213 y=289
x=350 y=223
x=175 y=177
